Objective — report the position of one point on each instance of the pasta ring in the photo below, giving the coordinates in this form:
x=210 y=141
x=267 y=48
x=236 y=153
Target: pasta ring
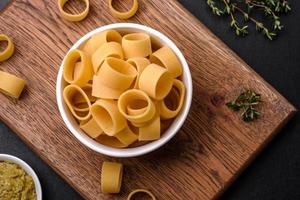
x=156 y=81
x=83 y=74
x=151 y=130
x=130 y=95
x=111 y=177
x=167 y=113
x=124 y=15
x=73 y=17
x=68 y=94
x=9 y=50
x=140 y=191
x=11 y=85
x=140 y=64
x=132 y=111
x=79 y=99
x=91 y=128
x=126 y=136
x=108 y=117
x=136 y=108
x=136 y=45
x=101 y=38
x=110 y=49
x=167 y=58
x=110 y=141
x=114 y=77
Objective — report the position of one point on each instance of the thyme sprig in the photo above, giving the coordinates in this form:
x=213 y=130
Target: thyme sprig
x=270 y=8
x=246 y=101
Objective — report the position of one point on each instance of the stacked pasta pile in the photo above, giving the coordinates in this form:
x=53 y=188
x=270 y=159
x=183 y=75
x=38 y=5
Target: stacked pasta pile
x=120 y=90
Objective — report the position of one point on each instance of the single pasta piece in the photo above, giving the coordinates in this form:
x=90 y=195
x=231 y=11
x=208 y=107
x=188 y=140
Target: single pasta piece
x=126 y=136
x=136 y=45
x=140 y=64
x=111 y=177
x=108 y=117
x=167 y=58
x=147 y=192
x=78 y=99
x=91 y=128
x=84 y=70
x=110 y=49
x=101 y=38
x=150 y=131
x=9 y=50
x=110 y=141
x=11 y=85
x=114 y=77
x=129 y=98
x=77 y=69
x=102 y=91
x=68 y=94
x=137 y=107
x=172 y=104
x=124 y=15
x=156 y=81
x=73 y=17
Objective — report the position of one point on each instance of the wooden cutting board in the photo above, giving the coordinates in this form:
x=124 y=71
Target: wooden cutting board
x=209 y=152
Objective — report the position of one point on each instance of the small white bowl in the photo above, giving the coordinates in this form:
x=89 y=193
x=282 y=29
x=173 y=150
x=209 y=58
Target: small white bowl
x=135 y=151
x=27 y=169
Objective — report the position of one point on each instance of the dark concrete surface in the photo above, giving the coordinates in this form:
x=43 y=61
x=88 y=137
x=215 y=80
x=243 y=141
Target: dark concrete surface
x=275 y=174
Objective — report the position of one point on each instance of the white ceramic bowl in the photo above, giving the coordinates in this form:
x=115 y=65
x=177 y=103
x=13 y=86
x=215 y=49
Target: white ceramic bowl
x=27 y=169
x=135 y=151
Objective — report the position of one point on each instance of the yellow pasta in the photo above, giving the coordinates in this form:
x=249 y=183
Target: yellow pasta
x=108 y=117
x=11 y=85
x=136 y=107
x=76 y=71
x=91 y=128
x=79 y=99
x=136 y=45
x=73 y=17
x=121 y=93
x=128 y=98
x=140 y=64
x=110 y=49
x=114 y=77
x=176 y=96
x=123 y=15
x=97 y=40
x=9 y=50
x=110 y=141
x=131 y=195
x=126 y=136
x=155 y=81
x=150 y=131
x=166 y=57
x=68 y=94
x=83 y=74
x=111 y=177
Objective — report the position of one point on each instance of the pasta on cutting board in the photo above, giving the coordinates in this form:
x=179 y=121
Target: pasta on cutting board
x=121 y=91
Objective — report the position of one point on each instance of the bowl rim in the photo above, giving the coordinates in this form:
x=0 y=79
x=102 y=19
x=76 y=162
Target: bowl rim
x=149 y=147
x=27 y=169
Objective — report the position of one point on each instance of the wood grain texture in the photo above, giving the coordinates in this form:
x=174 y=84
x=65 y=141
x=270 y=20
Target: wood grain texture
x=211 y=149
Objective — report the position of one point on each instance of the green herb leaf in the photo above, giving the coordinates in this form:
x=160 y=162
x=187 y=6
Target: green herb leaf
x=271 y=8
x=247 y=102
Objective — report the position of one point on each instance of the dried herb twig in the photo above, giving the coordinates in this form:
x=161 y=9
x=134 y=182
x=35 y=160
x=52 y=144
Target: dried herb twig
x=271 y=9
x=246 y=102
